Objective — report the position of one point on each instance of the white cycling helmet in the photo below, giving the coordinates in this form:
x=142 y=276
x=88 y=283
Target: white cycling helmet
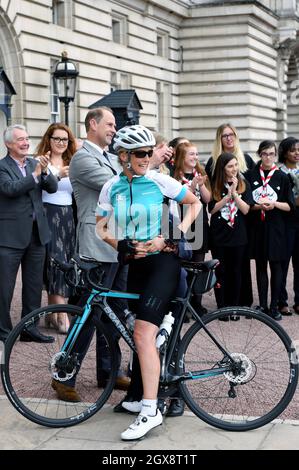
x=133 y=137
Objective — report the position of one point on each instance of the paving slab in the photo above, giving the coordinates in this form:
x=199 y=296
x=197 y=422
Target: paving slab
x=102 y=432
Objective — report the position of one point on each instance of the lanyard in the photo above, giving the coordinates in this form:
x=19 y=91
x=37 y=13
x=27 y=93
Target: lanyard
x=265 y=182
x=233 y=209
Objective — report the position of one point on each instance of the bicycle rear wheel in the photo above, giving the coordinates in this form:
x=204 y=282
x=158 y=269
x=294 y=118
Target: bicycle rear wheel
x=254 y=394
x=29 y=369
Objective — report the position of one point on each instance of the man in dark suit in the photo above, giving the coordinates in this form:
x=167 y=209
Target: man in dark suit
x=24 y=228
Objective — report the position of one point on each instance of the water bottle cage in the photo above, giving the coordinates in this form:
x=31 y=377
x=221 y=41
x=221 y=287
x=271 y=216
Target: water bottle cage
x=163 y=348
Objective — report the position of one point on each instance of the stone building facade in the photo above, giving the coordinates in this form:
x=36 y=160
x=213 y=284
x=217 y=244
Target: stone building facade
x=193 y=63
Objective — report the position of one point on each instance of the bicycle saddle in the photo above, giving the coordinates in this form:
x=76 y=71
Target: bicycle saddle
x=206 y=266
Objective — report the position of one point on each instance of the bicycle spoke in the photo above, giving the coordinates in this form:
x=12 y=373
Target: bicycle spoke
x=30 y=368
x=258 y=392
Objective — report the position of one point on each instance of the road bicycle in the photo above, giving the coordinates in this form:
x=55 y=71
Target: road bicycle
x=234 y=375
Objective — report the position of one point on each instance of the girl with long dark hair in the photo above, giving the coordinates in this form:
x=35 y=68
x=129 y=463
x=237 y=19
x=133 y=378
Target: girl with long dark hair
x=231 y=201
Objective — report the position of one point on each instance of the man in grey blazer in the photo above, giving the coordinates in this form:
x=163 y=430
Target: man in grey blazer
x=90 y=168
x=24 y=228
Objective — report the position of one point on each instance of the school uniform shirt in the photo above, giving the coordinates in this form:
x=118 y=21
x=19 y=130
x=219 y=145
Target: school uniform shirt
x=222 y=233
x=267 y=237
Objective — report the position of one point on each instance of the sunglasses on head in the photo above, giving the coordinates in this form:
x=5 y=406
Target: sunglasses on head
x=142 y=153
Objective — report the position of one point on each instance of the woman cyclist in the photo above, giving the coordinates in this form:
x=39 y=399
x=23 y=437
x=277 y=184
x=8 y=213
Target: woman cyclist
x=133 y=201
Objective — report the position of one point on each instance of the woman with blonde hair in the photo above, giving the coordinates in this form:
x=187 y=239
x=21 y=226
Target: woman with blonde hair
x=227 y=140
x=59 y=143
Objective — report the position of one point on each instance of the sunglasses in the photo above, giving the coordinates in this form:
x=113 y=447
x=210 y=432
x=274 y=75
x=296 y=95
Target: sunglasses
x=142 y=153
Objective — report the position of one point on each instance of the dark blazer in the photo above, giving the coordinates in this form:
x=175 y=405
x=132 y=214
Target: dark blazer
x=20 y=199
x=89 y=171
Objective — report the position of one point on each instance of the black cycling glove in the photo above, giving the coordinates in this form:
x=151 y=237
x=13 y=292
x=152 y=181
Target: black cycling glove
x=126 y=250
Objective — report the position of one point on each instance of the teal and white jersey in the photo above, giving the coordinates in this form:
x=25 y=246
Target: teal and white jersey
x=136 y=207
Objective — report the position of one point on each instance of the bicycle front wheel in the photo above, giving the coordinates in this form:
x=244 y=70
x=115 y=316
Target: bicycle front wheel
x=254 y=391
x=31 y=370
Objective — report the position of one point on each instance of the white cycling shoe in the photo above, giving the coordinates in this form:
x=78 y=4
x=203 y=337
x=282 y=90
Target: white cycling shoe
x=141 y=426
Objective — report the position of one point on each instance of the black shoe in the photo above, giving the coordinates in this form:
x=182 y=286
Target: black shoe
x=36 y=336
x=275 y=314
x=224 y=318
x=176 y=407
x=261 y=309
x=285 y=311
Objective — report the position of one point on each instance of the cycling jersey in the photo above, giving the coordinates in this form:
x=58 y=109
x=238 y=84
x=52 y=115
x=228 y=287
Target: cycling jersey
x=137 y=205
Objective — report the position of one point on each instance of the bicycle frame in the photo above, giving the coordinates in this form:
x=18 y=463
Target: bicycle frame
x=100 y=298
x=102 y=302
x=166 y=377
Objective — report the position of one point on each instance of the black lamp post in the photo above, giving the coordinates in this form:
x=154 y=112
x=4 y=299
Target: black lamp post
x=65 y=77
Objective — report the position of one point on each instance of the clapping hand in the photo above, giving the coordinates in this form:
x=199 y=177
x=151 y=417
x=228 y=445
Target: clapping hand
x=64 y=171
x=266 y=204
x=198 y=180
x=42 y=164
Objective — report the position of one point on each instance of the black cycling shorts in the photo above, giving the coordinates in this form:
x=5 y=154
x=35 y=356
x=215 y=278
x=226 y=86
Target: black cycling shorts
x=155 y=278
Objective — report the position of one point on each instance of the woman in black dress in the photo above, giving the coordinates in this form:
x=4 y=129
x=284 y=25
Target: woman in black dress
x=272 y=194
x=231 y=202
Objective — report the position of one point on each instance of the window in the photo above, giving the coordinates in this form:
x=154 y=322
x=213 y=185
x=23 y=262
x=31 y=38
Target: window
x=119 y=81
x=164 y=106
x=119 y=28
x=113 y=81
x=124 y=81
x=162 y=43
x=62 y=13
x=116 y=33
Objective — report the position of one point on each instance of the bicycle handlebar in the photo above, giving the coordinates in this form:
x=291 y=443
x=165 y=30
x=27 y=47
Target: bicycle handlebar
x=79 y=272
